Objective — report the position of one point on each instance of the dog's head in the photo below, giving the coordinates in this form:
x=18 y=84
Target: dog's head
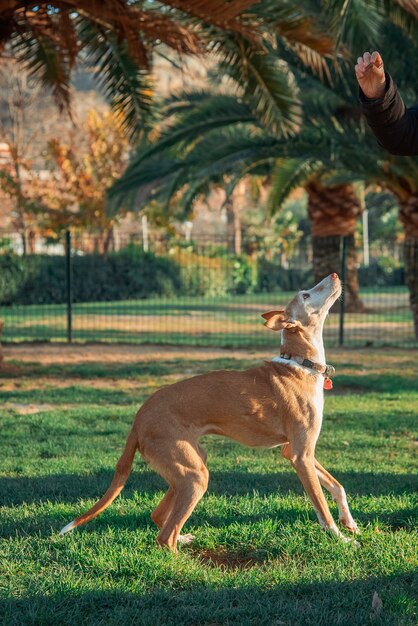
x=308 y=309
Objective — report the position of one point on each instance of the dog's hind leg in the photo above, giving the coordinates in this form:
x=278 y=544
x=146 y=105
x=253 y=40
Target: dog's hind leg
x=181 y=464
x=162 y=511
x=189 y=490
x=337 y=491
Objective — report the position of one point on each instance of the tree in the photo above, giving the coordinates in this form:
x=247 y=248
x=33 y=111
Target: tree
x=261 y=93
x=76 y=196
x=333 y=213
x=399 y=176
x=118 y=38
x=217 y=135
x=21 y=169
x=225 y=155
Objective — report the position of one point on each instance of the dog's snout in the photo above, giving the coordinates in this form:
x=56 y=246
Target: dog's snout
x=334 y=276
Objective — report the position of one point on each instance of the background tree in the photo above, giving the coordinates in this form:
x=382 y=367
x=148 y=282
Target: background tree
x=238 y=143
x=23 y=136
x=118 y=39
x=77 y=194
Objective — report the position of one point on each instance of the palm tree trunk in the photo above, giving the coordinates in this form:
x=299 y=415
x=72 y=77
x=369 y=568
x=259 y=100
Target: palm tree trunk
x=237 y=233
x=31 y=241
x=107 y=241
x=1 y=348
x=233 y=227
x=409 y=217
x=333 y=212
x=24 y=242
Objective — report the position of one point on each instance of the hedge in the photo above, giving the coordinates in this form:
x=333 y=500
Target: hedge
x=125 y=275
x=133 y=274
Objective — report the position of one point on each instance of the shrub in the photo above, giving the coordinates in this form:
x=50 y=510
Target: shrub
x=129 y=274
x=133 y=274
x=204 y=275
x=272 y=277
x=244 y=275
x=381 y=273
x=12 y=272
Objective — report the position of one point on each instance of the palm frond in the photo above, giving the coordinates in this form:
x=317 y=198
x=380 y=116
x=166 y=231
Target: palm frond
x=287 y=175
x=222 y=152
x=233 y=16
x=149 y=177
x=128 y=89
x=409 y=6
x=192 y=192
x=170 y=188
x=303 y=26
x=266 y=84
x=356 y=23
x=47 y=63
x=400 y=13
x=305 y=30
x=400 y=54
x=212 y=113
x=185 y=100
x=118 y=38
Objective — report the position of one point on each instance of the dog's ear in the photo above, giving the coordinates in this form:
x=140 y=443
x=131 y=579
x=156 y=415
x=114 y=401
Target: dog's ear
x=278 y=320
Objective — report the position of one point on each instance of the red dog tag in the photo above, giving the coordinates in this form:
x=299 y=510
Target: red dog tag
x=327 y=383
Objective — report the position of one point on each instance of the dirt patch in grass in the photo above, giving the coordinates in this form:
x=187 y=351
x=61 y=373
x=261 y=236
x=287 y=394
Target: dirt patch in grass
x=58 y=353
x=29 y=409
x=47 y=353
x=50 y=382
x=183 y=362
x=227 y=560
x=190 y=324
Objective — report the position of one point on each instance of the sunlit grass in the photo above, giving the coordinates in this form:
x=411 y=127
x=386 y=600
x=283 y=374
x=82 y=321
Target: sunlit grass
x=227 y=321
x=259 y=556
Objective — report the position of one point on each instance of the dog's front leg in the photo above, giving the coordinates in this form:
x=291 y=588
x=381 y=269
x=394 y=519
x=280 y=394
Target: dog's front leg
x=305 y=467
x=337 y=491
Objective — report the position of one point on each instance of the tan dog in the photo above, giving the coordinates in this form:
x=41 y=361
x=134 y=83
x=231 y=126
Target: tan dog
x=278 y=403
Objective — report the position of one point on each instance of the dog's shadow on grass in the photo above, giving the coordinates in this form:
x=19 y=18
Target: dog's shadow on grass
x=65 y=488
x=331 y=602
x=71 y=488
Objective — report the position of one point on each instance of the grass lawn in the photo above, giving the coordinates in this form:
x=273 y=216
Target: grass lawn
x=227 y=321
x=259 y=556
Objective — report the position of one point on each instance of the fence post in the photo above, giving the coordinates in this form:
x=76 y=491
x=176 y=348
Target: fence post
x=342 y=303
x=69 y=286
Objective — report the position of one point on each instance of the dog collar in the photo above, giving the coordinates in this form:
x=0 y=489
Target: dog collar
x=326 y=370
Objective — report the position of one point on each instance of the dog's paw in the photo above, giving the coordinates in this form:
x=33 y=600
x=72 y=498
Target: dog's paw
x=351 y=540
x=350 y=525
x=184 y=539
x=334 y=530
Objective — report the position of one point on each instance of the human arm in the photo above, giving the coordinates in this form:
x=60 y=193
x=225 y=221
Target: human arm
x=395 y=126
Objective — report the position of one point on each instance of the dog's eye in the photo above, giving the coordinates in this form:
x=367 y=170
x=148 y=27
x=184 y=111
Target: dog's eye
x=306 y=296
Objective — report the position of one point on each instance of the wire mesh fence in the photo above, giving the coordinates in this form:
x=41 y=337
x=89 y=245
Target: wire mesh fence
x=194 y=292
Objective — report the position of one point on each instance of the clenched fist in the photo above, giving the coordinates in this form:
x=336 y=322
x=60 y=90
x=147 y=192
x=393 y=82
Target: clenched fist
x=371 y=75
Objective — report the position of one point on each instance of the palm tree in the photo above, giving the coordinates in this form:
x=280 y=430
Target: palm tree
x=349 y=154
x=261 y=94
x=399 y=176
x=117 y=40
x=217 y=135
x=333 y=213
x=239 y=146
x=217 y=138
x=409 y=218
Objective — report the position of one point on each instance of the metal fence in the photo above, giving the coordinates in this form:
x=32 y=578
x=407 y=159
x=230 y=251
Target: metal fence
x=179 y=292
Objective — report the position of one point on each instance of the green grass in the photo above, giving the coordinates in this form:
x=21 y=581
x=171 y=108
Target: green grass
x=259 y=556
x=228 y=321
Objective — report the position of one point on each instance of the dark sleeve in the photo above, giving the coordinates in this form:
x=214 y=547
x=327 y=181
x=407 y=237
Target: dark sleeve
x=395 y=126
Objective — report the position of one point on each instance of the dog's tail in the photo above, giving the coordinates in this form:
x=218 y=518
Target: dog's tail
x=123 y=469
